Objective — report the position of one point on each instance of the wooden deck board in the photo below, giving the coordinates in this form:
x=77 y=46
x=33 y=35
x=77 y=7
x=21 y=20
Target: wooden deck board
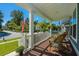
x=43 y=50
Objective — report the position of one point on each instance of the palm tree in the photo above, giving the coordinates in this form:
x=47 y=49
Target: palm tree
x=1 y=20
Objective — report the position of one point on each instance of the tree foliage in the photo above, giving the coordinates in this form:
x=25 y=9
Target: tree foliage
x=43 y=26
x=1 y=19
x=17 y=16
x=15 y=23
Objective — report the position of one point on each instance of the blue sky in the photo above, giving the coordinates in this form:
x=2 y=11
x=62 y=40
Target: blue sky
x=73 y=21
x=7 y=8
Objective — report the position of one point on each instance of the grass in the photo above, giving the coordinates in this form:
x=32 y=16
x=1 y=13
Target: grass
x=8 y=47
x=9 y=39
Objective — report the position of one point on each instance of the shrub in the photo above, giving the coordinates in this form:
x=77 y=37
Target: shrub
x=20 y=50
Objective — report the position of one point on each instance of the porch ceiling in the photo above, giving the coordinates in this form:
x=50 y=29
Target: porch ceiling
x=53 y=11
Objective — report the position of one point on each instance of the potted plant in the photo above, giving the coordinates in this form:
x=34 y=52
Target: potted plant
x=20 y=50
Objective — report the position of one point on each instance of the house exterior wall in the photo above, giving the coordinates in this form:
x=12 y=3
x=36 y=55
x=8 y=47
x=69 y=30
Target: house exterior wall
x=75 y=41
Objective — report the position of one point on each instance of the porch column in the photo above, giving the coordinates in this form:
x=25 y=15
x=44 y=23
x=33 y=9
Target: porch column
x=50 y=29
x=31 y=30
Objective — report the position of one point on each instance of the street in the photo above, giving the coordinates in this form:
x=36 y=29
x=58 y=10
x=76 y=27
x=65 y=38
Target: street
x=8 y=35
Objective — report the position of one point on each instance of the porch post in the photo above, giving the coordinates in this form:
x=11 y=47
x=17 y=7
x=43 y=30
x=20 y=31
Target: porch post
x=50 y=29
x=31 y=30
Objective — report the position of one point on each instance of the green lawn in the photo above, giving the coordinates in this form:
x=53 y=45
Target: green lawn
x=9 y=39
x=8 y=47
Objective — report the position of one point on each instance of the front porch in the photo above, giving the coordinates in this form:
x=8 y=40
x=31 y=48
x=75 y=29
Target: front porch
x=38 y=44
x=43 y=49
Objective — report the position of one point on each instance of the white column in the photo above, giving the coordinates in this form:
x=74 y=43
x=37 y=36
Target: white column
x=50 y=29
x=31 y=30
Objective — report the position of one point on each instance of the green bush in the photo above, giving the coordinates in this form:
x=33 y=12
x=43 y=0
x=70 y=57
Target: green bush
x=20 y=49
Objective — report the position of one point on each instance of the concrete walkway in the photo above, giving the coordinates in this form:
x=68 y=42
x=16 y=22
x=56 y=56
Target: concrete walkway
x=12 y=54
x=8 y=42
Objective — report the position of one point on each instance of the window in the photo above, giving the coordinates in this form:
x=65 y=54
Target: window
x=70 y=26
x=78 y=21
x=74 y=24
x=73 y=28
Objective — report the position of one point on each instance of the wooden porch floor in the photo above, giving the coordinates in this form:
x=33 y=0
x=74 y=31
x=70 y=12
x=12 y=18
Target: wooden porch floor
x=43 y=49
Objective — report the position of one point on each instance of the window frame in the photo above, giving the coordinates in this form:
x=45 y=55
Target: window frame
x=75 y=39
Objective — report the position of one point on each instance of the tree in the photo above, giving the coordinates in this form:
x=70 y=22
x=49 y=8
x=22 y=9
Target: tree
x=26 y=26
x=1 y=20
x=27 y=21
x=17 y=16
x=15 y=23
x=11 y=25
x=42 y=26
x=35 y=23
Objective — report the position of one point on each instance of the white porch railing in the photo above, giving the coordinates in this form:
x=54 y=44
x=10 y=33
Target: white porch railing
x=38 y=37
